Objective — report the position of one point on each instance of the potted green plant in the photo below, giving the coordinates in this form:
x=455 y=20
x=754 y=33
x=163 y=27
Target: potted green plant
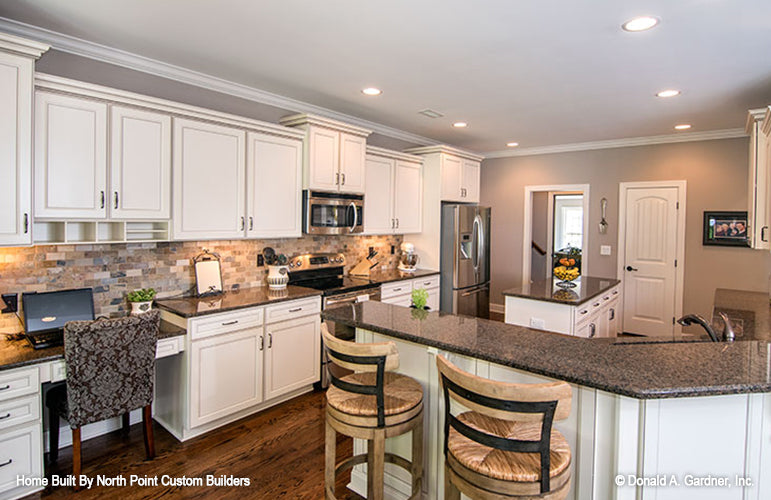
x=141 y=300
x=420 y=303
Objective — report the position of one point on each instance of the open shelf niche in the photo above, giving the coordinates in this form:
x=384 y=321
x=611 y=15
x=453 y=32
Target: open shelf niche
x=53 y=232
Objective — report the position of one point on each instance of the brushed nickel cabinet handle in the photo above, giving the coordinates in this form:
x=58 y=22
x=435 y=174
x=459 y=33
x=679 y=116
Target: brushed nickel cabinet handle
x=9 y=462
x=262 y=342
x=243 y=223
x=251 y=223
x=337 y=179
x=343 y=177
x=298 y=309
x=26 y=223
x=5 y=387
x=101 y=195
x=226 y=323
x=593 y=328
x=116 y=200
x=270 y=340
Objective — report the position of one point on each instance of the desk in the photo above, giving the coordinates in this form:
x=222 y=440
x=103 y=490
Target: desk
x=23 y=370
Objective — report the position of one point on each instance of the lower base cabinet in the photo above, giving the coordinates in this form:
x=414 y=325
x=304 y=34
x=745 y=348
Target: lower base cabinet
x=292 y=357
x=400 y=292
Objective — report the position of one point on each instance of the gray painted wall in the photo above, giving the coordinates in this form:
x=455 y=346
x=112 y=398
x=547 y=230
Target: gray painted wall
x=716 y=174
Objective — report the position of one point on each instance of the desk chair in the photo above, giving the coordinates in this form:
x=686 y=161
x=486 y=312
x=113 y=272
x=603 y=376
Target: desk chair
x=373 y=404
x=505 y=446
x=110 y=371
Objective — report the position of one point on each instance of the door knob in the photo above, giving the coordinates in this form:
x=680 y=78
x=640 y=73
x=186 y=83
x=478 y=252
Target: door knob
x=630 y=268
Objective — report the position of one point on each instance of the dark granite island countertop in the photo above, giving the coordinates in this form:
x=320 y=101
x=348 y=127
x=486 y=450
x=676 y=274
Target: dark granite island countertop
x=587 y=287
x=642 y=371
x=189 y=307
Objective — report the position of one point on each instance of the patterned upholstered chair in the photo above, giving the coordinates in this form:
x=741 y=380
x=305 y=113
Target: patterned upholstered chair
x=110 y=372
x=503 y=445
x=373 y=403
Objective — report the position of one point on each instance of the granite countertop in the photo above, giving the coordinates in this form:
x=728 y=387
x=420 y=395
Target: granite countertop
x=389 y=275
x=15 y=351
x=749 y=312
x=638 y=370
x=587 y=287
x=189 y=307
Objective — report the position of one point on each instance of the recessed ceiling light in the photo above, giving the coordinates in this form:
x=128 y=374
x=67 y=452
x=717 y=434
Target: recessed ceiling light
x=512 y=144
x=460 y=124
x=641 y=23
x=668 y=93
x=683 y=126
x=371 y=91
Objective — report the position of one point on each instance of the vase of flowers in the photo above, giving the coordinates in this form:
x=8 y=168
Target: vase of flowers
x=141 y=300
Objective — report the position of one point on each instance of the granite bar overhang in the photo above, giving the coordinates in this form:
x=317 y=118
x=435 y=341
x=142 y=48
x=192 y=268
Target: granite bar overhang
x=642 y=371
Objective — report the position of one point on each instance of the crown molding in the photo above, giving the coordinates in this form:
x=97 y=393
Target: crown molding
x=303 y=119
x=443 y=148
x=730 y=133
x=753 y=116
x=396 y=155
x=22 y=46
x=103 y=53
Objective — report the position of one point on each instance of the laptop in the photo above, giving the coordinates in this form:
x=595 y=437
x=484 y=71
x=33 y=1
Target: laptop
x=46 y=313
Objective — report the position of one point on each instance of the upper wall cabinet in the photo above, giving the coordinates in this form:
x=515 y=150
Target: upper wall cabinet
x=759 y=192
x=140 y=164
x=456 y=172
x=393 y=199
x=274 y=186
x=209 y=181
x=17 y=57
x=70 y=157
x=334 y=153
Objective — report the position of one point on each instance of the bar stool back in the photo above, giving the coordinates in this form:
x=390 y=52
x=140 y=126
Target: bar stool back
x=373 y=403
x=504 y=445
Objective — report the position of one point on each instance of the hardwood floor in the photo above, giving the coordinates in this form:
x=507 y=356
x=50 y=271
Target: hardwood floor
x=281 y=451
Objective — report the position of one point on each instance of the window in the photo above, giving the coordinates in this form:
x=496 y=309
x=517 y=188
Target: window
x=568 y=221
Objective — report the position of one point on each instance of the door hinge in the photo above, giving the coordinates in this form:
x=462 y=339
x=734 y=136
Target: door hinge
x=677 y=206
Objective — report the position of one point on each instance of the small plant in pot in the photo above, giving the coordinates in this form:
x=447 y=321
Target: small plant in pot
x=141 y=300
x=419 y=303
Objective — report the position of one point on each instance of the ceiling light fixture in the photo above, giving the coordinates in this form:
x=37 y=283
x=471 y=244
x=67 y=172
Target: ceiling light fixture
x=641 y=23
x=371 y=91
x=683 y=126
x=512 y=144
x=460 y=124
x=668 y=93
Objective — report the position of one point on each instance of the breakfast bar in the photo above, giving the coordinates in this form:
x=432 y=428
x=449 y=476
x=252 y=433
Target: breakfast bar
x=693 y=413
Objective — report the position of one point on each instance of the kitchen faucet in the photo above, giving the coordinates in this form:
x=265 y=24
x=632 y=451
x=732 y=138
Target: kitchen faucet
x=689 y=319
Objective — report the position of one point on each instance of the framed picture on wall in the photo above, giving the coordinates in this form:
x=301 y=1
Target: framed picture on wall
x=725 y=229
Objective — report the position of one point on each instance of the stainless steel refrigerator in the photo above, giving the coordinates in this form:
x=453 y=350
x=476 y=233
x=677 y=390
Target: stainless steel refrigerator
x=465 y=260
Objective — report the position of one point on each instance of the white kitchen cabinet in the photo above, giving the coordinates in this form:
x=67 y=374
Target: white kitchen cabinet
x=458 y=175
x=274 y=186
x=759 y=187
x=333 y=155
x=470 y=183
x=452 y=177
x=70 y=157
x=400 y=292
x=292 y=355
x=393 y=198
x=16 y=143
x=209 y=169
x=140 y=164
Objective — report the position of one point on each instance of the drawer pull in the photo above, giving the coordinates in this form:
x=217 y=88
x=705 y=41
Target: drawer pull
x=606 y=298
x=270 y=340
x=9 y=462
x=615 y=292
x=262 y=342
x=6 y=386
x=426 y=283
x=7 y=415
x=397 y=289
x=595 y=304
x=297 y=309
x=226 y=323
x=584 y=311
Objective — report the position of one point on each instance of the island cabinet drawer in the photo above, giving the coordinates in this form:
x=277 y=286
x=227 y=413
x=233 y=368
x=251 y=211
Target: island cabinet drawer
x=388 y=290
x=609 y=295
x=20 y=455
x=18 y=411
x=224 y=323
x=15 y=383
x=427 y=282
x=292 y=309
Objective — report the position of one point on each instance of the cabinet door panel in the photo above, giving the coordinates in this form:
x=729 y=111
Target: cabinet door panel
x=451 y=178
x=293 y=355
x=22 y=446
x=15 y=149
x=324 y=145
x=70 y=157
x=140 y=164
x=352 y=155
x=378 y=196
x=209 y=181
x=470 y=182
x=274 y=180
x=226 y=375
x=408 y=197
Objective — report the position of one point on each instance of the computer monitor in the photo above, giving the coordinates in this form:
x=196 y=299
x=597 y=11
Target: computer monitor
x=49 y=311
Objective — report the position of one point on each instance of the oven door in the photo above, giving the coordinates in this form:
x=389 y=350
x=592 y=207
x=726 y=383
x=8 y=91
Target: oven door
x=327 y=214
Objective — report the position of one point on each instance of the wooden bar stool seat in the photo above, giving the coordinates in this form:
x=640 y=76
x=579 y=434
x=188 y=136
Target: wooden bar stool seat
x=505 y=447
x=372 y=404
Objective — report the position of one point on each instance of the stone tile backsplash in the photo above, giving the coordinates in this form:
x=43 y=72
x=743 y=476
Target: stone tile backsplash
x=113 y=270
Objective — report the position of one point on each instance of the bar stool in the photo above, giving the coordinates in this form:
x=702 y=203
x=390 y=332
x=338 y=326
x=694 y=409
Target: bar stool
x=373 y=403
x=505 y=446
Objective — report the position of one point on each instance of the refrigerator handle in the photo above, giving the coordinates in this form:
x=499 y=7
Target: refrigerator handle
x=481 y=250
x=475 y=246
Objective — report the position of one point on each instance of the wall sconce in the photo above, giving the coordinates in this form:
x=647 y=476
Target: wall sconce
x=603 y=222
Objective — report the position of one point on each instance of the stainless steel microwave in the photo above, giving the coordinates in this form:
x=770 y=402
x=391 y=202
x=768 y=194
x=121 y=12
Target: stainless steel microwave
x=332 y=213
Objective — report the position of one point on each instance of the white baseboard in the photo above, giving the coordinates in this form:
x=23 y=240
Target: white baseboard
x=89 y=431
x=497 y=308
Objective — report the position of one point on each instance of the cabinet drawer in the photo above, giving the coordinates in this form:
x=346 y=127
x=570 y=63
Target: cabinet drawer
x=58 y=371
x=20 y=451
x=427 y=282
x=292 y=309
x=169 y=347
x=16 y=383
x=397 y=288
x=223 y=323
x=19 y=411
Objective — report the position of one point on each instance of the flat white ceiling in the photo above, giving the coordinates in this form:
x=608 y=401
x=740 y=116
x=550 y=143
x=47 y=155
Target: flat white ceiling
x=536 y=72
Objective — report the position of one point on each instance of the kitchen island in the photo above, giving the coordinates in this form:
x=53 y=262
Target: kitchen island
x=641 y=411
